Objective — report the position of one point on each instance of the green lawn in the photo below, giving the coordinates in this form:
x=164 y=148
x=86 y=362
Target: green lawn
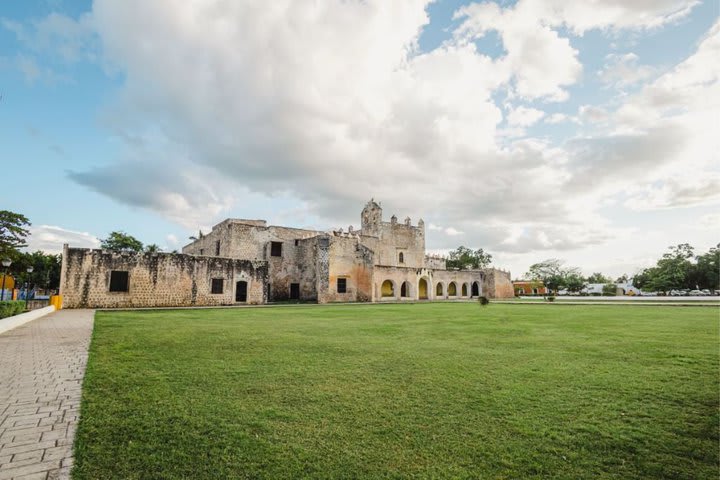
x=401 y=391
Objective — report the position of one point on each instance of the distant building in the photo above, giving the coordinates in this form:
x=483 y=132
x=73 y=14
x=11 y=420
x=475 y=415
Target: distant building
x=526 y=287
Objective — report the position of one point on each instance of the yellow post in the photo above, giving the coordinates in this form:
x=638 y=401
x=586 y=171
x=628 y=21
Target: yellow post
x=56 y=300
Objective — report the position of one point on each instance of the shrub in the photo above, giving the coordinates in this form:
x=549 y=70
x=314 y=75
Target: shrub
x=550 y=298
x=483 y=300
x=8 y=308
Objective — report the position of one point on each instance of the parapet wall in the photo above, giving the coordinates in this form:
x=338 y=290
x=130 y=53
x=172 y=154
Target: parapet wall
x=157 y=279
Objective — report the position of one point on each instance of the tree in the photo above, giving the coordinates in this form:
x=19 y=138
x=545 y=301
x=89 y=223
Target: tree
x=706 y=272
x=121 y=242
x=609 y=290
x=46 y=270
x=552 y=273
x=574 y=283
x=673 y=271
x=622 y=278
x=464 y=258
x=12 y=233
x=152 y=248
x=598 y=277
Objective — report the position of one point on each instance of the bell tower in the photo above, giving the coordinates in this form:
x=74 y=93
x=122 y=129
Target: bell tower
x=371 y=218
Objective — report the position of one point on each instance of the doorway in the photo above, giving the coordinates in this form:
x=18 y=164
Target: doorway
x=294 y=291
x=241 y=291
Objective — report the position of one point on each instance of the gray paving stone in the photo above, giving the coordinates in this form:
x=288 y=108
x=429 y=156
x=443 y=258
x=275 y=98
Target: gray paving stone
x=40 y=388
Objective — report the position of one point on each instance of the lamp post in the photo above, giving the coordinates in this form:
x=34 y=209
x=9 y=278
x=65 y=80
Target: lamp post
x=27 y=283
x=5 y=263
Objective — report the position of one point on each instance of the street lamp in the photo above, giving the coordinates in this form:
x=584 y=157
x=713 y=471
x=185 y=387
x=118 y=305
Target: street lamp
x=27 y=283
x=5 y=263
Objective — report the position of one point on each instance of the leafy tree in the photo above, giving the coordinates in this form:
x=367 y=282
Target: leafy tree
x=464 y=258
x=46 y=270
x=598 y=277
x=552 y=273
x=152 y=248
x=609 y=290
x=673 y=270
x=622 y=278
x=574 y=282
x=121 y=242
x=12 y=233
x=706 y=272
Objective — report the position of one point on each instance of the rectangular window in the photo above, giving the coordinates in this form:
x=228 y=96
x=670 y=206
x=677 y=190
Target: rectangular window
x=342 y=285
x=217 y=248
x=297 y=242
x=216 y=287
x=294 y=291
x=202 y=251
x=119 y=281
x=276 y=249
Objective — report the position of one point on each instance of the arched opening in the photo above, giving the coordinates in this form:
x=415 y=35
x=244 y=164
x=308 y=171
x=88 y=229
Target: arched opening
x=423 y=289
x=241 y=291
x=452 y=290
x=475 y=289
x=401 y=258
x=387 y=289
x=464 y=289
x=439 y=290
x=535 y=291
x=405 y=289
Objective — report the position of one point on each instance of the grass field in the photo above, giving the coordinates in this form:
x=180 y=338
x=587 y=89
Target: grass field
x=400 y=391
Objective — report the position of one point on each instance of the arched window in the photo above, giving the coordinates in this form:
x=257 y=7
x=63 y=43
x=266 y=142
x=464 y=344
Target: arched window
x=387 y=289
x=401 y=258
x=439 y=290
x=452 y=290
x=464 y=289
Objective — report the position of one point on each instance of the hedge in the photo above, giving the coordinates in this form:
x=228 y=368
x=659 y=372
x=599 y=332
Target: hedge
x=8 y=308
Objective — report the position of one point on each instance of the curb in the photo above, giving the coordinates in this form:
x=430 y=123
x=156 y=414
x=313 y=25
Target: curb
x=16 y=320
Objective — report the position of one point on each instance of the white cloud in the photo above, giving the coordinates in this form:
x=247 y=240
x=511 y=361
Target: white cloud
x=50 y=239
x=524 y=117
x=452 y=232
x=623 y=70
x=328 y=104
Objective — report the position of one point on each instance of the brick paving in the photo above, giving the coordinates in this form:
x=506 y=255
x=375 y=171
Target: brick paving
x=42 y=364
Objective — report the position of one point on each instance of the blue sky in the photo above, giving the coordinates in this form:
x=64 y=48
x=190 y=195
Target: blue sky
x=533 y=129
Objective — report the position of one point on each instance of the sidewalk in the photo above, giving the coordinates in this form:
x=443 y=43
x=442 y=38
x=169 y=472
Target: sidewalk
x=42 y=364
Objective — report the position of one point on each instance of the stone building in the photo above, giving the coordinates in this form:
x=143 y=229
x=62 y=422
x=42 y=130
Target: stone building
x=248 y=261
x=103 y=279
x=383 y=261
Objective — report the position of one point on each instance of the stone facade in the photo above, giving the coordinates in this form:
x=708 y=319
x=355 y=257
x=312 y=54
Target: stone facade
x=103 y=279
x=248 y=261
x=348 y=266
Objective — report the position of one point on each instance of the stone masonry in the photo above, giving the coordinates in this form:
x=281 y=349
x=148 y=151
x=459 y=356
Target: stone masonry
x=247 y=261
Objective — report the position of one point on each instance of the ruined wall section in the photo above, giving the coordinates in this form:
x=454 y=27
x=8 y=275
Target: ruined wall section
x=498 y=284
x=435 y=262
x=156 y=279
x=348 y=259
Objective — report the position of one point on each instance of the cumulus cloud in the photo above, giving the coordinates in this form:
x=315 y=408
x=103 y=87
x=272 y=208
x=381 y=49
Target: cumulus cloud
x=50 y=239
x=623 y=70
x=330 y=103
x=524 y=117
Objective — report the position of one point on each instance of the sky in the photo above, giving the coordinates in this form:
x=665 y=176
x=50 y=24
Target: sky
x=535 y=129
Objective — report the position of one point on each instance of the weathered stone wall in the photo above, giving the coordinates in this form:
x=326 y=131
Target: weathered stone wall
x=156 y=279
x=435 y=262
x=348 y=259
x=498 y=284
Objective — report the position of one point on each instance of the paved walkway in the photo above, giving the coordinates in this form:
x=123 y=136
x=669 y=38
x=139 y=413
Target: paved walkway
x=42 y=364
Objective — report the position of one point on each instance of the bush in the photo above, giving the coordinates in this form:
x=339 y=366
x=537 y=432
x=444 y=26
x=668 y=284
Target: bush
x=550 y=298
x=8 y=308
x=483 y=300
